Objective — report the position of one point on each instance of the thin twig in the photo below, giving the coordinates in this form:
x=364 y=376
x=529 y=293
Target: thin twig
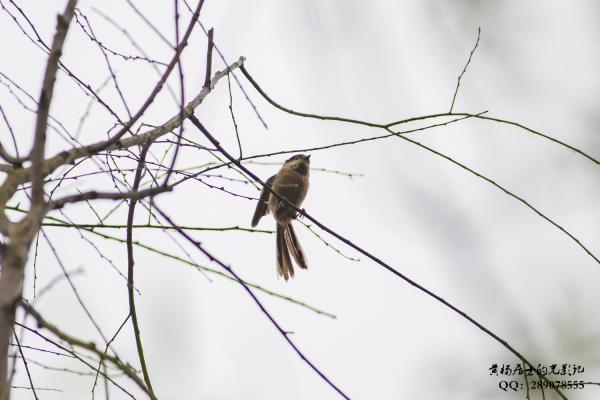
x=151 y=25
x=32 y=386
x=39 y=388
x=153 y=226
x=464 y=70
x=106 y=348
x=237 y=81
x=125 y=57
x=103 y=50
x=65 y=157
x=72 y=285
x=235 y=126
x=13 y=160
x=181 y=101
x=80 y=358
x=509 y=193
x=90 y=346
x=209 y=52
x=157 y=88
x=326 y=243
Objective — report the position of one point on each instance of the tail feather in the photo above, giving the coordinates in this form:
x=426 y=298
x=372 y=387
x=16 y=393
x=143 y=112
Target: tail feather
x=284 y=262
x=294 y=246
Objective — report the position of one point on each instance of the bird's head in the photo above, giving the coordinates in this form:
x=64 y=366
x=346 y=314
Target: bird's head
x=300 y=163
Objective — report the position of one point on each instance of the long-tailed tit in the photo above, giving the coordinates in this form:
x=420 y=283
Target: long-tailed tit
x=291 y=183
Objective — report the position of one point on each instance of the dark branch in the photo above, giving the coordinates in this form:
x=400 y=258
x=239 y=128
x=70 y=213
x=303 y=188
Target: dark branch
x=93 y=195
x=258 y=303
x=209 y=52
x=374 y=258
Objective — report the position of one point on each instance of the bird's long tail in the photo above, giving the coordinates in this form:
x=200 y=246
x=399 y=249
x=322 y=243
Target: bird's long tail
x=284 y=262
x=294 y=246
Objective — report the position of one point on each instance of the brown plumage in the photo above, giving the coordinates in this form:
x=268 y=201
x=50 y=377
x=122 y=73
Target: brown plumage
x=291 y=183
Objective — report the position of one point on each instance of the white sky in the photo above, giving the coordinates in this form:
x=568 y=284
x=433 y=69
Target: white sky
x=537 y=64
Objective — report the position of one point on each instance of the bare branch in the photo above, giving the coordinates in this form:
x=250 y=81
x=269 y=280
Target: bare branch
x=157 y=88
x=509 y=193
x=181 y=101
x=31 y=385
x=464 y=70
x=408 y=120
x=75 y=355
x=16 y=161
x=150 y=226
x=209 y=52
x=235 y=126
x=130 y=263
x=90 y=346
x=150 y=24
x=93 y=195
x=41 y=123
x=66 y=157
x=100 y=363
x=237 y=81
x=92 y=35
x=94 y=39
x=258 y=302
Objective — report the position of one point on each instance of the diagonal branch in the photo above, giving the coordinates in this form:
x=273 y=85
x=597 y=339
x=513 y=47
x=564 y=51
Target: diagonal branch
x=65 y=157
x=25 y=364
x=157 y=88
x=371 y=256
x=15 y=161
x=256 y=300
x=90 y=346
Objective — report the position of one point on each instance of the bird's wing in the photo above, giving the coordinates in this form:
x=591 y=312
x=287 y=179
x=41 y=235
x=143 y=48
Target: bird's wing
x=262 y=208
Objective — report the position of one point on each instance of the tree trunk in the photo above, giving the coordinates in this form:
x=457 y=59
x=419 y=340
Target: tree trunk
x=13 y=259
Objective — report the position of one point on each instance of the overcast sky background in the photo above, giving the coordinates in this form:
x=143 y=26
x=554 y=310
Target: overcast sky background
x=537 y=64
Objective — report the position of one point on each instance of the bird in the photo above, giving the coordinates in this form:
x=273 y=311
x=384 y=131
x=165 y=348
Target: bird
x=290 y=183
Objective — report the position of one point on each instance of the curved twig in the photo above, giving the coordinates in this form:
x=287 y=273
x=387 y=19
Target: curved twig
x=130 y=264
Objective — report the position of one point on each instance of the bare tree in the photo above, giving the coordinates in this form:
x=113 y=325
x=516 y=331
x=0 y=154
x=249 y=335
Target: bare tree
x=34 y=169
